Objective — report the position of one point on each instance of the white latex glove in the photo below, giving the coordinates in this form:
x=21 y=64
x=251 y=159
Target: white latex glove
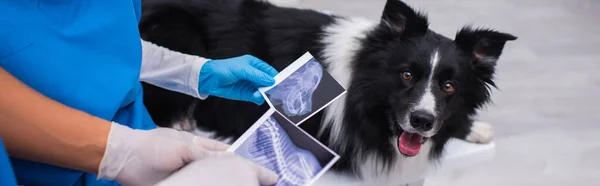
x=144 y=157
x=223 y=169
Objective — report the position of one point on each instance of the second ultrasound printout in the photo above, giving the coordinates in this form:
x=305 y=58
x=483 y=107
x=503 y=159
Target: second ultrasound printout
x=275 y=143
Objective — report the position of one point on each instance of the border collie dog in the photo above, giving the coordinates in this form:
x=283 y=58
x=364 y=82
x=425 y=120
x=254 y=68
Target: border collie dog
x=410 y=89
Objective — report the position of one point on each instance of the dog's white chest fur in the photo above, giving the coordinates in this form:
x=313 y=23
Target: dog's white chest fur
x=405 y=171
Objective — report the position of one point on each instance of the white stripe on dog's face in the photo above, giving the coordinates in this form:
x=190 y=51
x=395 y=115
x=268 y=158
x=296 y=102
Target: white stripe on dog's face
x=427 y=101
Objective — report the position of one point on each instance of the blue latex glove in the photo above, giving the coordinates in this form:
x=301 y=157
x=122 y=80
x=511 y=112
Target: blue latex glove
x=236 y=78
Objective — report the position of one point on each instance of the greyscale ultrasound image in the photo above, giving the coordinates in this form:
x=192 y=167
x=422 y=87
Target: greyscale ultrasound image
x=296 y=161
x=304 y=92
x=296 y=91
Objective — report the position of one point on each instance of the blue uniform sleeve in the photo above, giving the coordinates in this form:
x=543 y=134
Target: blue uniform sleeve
x=11 y=41
x=7 y=176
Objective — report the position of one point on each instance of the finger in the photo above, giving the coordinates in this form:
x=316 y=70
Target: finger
x=265 y=176
x=209 y=144
x=257 y=98
x=244 y=91
x=255 y=76
x=195 y=153
x=263 y=66
x=198 y=152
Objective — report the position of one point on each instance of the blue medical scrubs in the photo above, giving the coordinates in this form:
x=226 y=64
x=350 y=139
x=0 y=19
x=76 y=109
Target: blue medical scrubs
x=83 y=53
x=7 y=177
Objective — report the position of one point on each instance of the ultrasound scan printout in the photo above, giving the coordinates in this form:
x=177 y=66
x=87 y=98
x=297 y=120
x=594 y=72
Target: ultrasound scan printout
x=275 y=143
x=302 y=89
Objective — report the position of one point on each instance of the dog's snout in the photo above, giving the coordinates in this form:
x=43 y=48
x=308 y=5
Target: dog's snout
x=422 y=120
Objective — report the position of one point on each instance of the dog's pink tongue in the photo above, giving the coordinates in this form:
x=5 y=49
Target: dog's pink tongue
x=410 y=143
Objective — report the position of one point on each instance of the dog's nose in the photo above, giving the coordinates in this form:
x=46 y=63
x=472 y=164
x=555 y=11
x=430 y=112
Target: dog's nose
x=422 y=120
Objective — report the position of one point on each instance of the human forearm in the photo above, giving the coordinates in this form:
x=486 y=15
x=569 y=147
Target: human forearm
x=171 y=70
x=37 y=128
x=236 y=78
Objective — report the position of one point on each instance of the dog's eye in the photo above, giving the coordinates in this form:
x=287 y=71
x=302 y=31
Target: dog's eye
x=406 y=75
x=449 y=87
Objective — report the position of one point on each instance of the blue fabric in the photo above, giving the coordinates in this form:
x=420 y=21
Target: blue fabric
x=7 y=176
x=84 y=54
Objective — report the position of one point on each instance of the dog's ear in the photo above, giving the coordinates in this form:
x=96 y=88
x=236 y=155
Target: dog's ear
x=402 y=19
x=484 y=45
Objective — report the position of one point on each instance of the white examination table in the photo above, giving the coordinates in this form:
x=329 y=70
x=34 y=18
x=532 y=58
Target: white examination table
x=458 y=154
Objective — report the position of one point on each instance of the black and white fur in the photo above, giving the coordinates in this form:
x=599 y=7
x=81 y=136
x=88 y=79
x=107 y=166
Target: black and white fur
x=369 y=58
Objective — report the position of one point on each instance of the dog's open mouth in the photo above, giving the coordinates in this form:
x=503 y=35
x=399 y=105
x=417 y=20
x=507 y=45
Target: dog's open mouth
x=410 y=144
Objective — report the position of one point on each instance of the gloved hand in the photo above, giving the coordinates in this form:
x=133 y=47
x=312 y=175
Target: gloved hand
x=144 y=157
x=223 y=169
x=236 y=78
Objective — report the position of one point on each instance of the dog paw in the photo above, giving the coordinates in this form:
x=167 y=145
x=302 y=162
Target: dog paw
x=284 y=3
x=188 y=125
x=481 y=132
